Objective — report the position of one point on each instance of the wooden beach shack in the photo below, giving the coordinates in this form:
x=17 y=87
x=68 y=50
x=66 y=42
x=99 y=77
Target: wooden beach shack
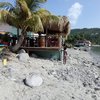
x=50 y=43
x=47 y=44
x=53 y=29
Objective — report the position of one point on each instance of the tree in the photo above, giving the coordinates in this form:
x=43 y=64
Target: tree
x=28 y=16
x=54 y=24
x=22 y=16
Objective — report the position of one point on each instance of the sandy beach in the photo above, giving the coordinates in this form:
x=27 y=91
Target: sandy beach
x=78 y=79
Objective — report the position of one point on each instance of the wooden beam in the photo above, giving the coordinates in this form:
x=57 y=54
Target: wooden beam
x=40 y=48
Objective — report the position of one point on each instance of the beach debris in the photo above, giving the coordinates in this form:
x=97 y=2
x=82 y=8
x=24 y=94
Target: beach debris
x=34 y=80
x=24 y=57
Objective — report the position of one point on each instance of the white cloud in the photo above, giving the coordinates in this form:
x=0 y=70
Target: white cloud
x=74 y=12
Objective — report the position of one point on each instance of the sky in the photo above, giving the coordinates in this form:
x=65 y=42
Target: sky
x=81 y=13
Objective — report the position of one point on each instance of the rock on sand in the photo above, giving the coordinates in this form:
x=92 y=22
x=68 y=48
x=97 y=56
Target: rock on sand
x=33 y=80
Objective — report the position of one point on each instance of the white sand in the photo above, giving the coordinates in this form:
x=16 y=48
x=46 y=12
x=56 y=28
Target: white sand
x=79 y=79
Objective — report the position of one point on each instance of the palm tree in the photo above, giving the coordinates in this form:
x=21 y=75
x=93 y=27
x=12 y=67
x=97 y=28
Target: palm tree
x=28 y=16
x=52 y=23
x=22 y=16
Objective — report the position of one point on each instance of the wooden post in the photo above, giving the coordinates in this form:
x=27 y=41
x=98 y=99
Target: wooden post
x=46 y=38
x=60 y=41
x=61 y=48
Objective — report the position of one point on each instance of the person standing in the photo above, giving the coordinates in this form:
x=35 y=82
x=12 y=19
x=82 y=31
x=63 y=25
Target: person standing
x=64 y=55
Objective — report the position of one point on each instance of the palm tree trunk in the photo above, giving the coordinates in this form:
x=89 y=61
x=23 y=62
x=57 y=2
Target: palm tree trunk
x=20 y=42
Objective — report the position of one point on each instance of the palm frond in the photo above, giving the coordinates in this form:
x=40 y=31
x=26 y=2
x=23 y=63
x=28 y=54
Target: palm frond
x=34 y=24
x=9 y=18
x=25 y=11
x=33 y=5
x=6 y=6
x=42 y=12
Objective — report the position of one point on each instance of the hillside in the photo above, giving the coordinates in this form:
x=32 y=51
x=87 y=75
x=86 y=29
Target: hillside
x=92 y=34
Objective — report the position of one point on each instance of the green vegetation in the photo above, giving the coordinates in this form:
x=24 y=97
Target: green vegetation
x=92 y=34
x=22 y=16
x=27 y=16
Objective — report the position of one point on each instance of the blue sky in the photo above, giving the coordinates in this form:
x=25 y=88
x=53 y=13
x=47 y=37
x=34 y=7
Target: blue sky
x=81 y=13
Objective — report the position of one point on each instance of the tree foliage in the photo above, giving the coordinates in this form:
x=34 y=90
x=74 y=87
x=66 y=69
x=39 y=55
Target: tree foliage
x=92 y=34
x=28 y=16
x=22 y=16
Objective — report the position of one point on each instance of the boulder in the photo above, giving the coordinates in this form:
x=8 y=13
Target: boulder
x=24 y=57
x=21 y=51
x=33 y=80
